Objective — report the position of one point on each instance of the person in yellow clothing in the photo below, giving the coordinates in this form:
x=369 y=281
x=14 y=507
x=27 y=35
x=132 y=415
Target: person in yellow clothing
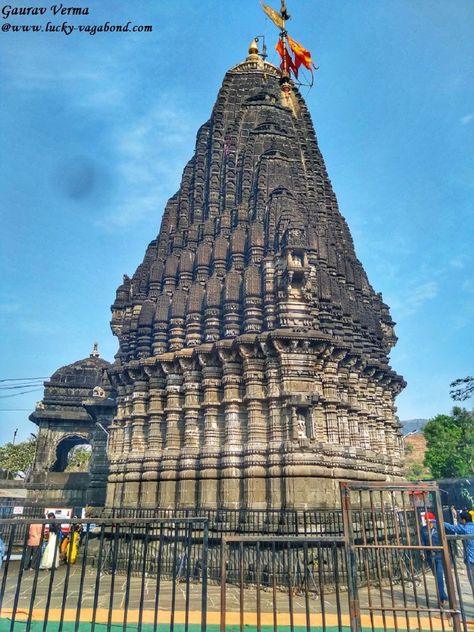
x=64 y=546
x=70 y=544
x=472 y=514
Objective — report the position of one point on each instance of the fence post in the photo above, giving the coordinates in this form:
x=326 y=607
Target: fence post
x=354 y=607
x=223 y=582
x=205 y=545
x=447 y=563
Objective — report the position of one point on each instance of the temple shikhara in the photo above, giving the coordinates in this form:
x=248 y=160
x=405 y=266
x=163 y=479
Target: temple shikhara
x=252 y=369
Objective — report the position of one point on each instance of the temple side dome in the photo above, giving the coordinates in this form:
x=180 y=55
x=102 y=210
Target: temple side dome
x=85 y=373
x=73 y=383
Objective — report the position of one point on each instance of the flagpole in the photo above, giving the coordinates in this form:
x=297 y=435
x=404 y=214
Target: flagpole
x=286 y=47
x=285 y=78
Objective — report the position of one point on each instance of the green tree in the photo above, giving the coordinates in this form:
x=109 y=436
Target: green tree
x=16 y=459
x=78 y=459
x=415 y=472
x=450 y=444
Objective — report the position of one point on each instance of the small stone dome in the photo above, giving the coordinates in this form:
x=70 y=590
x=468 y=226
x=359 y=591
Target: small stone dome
x=69 y=386
x=86 y=373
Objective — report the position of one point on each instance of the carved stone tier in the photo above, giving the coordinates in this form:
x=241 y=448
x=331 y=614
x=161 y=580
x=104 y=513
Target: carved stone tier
x=265 y=420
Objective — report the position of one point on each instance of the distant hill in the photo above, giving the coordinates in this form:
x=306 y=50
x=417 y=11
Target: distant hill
x=415 y=448
x=413 y=425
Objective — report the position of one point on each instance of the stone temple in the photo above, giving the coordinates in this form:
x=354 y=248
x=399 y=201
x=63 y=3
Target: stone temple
x=253 y=366
x=253 y=362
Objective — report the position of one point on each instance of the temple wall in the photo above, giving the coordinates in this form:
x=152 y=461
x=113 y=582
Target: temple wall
x=267 y=422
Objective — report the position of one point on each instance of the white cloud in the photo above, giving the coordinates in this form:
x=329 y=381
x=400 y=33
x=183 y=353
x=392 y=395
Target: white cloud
x=465 y=120
x=458 y=262
x=151 y=155
x=9 y=308
x=468 y=286
x=423 y=293
x=414 y=299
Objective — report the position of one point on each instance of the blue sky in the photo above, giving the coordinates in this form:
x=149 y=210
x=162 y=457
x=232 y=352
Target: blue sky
x=96 y=130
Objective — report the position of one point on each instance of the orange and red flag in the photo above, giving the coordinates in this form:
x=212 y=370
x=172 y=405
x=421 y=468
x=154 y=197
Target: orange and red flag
x=286 y=60
x=302 y=55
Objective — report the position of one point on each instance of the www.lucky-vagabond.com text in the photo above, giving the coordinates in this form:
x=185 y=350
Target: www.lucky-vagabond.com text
x=11 y=13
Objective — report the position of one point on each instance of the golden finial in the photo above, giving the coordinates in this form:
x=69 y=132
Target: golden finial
x=253 y=48
x=253 y=51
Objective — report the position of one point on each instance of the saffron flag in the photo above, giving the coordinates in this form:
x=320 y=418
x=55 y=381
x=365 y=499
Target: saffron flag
x=285 y=58
x=302 y=56
x=274 y=16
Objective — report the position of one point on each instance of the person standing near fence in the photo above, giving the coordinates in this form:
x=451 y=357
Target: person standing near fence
x=465 y=528
x=50 y=556
x=70 y=544
x=33 y=546
x=430 y=537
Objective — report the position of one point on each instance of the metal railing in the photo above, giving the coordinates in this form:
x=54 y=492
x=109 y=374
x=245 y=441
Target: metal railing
x=131 y=573
x=413 y=585
x=174 y=574
x=463 y=578
x=251 y=521
x=289 y=581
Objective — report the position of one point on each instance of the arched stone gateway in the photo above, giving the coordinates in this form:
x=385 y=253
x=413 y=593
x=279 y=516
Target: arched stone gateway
x=253 y=364
x=64 y=449
x=63 y=423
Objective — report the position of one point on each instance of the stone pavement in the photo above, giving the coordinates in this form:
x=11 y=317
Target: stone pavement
x=125 y=602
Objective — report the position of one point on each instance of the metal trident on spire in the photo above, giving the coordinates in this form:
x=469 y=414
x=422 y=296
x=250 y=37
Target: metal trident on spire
x=287 y=46
x=283 y=11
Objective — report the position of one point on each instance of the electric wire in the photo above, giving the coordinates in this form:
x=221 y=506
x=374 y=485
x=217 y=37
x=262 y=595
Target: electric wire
x=34 y=390
x=23 y=379
x=29 y=385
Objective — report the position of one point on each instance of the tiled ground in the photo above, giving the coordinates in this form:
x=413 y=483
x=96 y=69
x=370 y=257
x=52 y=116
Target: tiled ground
x=106 y=598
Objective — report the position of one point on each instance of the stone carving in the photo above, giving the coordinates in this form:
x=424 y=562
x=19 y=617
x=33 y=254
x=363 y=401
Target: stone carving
x=98 y=391
x=301 y=426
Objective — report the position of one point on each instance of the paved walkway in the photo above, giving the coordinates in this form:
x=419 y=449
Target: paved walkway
x=58 y=605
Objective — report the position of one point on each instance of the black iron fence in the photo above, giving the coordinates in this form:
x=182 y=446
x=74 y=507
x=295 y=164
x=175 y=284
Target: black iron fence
x=314 y=522
x=176 y=574
x=251 y=521
x=82 y=576
x=283 y=581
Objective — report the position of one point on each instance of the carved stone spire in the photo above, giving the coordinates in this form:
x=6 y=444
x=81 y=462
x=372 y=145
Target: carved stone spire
x=253 y=278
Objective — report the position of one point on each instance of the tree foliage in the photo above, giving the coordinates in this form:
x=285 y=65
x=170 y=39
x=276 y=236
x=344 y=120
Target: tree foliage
x=450 y=444
x=16 y=459
x=462 y=389
x=415 y=472
x=78 y=459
